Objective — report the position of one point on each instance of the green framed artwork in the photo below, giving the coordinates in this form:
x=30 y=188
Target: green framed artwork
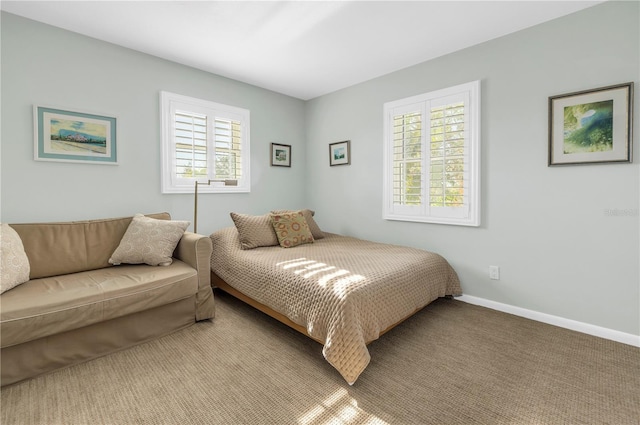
x=591 y=126
x=73 y=136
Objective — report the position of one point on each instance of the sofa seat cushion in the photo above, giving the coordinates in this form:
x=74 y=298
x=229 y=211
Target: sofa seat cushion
x=47 y=306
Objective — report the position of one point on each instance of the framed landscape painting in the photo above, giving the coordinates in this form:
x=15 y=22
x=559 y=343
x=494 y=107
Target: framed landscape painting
x=339 y=153
x=591 y=126
x=280 y=155
x=72 y=136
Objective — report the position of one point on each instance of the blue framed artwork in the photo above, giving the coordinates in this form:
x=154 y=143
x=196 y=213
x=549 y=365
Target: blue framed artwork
x=340 y=153
x=72 y=136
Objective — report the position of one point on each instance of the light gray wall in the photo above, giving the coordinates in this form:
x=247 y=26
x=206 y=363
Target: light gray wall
x=50 y=66
x=547 y=228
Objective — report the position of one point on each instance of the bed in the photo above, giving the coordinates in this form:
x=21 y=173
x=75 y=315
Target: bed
x=341 y=291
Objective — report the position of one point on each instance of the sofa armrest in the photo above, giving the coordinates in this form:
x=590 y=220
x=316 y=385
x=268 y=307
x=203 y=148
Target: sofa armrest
x=195 y=250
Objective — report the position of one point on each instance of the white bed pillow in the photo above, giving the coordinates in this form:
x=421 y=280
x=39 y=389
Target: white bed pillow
x=149 y=241
x=14 y=263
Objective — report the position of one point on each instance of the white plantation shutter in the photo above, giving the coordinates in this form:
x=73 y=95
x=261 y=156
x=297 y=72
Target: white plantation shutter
x=228 y=146
x=448 y=155
x=407 y=158
x=190 y=144
x=432 y=157
x=203 y=140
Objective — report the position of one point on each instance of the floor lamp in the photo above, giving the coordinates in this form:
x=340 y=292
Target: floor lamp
x=195 y=202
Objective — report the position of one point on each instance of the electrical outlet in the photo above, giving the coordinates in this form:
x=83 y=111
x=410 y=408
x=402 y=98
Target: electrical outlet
x=494 y=272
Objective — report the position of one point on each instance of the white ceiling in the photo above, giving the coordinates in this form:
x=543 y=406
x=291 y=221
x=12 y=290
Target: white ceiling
x=300 y=48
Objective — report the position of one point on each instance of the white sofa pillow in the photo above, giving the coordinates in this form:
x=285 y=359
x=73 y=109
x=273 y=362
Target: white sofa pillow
x=149 y=241
x=14 y=264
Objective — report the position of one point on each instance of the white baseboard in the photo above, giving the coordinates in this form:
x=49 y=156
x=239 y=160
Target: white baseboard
x=574 y=325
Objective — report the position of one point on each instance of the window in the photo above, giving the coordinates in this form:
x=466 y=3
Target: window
x=203 y=140
x=432 y=157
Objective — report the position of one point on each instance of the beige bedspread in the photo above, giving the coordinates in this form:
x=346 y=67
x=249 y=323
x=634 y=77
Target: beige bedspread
x=344 y=290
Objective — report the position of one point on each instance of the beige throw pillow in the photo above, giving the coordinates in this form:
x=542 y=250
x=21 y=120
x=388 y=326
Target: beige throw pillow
x=149 y=241
x=254 y=230
x=14 y=264
x=308 y=216
x=291 y=228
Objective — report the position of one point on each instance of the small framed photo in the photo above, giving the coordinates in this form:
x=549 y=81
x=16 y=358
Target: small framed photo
x=340 y=153
x=280 y=155
x=591 y=126
x=73 y=136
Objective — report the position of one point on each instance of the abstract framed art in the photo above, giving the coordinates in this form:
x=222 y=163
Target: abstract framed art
x=73 y=136
x=591 y=126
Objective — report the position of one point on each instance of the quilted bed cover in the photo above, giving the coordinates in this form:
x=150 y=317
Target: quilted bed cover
x=343 y=290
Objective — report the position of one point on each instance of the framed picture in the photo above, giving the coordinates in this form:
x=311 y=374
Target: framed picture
x=280 y=155
x=72 y=136
x=591 y=126
x=340 y=153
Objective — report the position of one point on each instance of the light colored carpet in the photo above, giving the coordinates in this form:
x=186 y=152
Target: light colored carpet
x=452 y=363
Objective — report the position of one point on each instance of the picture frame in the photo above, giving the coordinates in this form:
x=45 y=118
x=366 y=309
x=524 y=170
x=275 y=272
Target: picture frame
x=280 y=155
x=591 y=126
x=340 y=153
x=65 y=135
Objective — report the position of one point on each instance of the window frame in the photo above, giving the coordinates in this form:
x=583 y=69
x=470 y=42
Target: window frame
x=171 y=183
x=469 y=214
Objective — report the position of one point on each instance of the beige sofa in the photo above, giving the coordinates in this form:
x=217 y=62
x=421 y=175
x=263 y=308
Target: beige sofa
x=77 y=306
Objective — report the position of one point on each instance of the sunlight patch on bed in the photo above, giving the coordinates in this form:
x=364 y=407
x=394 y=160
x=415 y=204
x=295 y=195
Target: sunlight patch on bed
x=309 y=268
x=342 y=285
x=326 y=278
x=295 y=263
x=339 y=408
x=316 y=271
x=316 y=265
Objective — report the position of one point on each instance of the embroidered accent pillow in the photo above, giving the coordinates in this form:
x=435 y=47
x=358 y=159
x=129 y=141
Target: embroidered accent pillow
x=149 y=241
x=254 y=230
x=291 y=229
x=14 y=263
x=308 y=215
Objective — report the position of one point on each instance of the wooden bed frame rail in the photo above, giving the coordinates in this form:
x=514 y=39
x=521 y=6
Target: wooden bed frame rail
x=217 y=282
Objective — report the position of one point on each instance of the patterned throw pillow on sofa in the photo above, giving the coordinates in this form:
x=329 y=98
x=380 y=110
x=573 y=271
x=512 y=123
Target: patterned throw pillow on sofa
x=149 y=241
x=14 y=264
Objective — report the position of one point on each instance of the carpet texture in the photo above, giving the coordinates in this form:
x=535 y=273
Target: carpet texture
x=452 y=363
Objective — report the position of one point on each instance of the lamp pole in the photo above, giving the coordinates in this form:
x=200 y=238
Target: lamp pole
x=195 y=200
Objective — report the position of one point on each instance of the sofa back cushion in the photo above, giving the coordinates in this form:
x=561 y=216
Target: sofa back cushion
x=61 y=248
